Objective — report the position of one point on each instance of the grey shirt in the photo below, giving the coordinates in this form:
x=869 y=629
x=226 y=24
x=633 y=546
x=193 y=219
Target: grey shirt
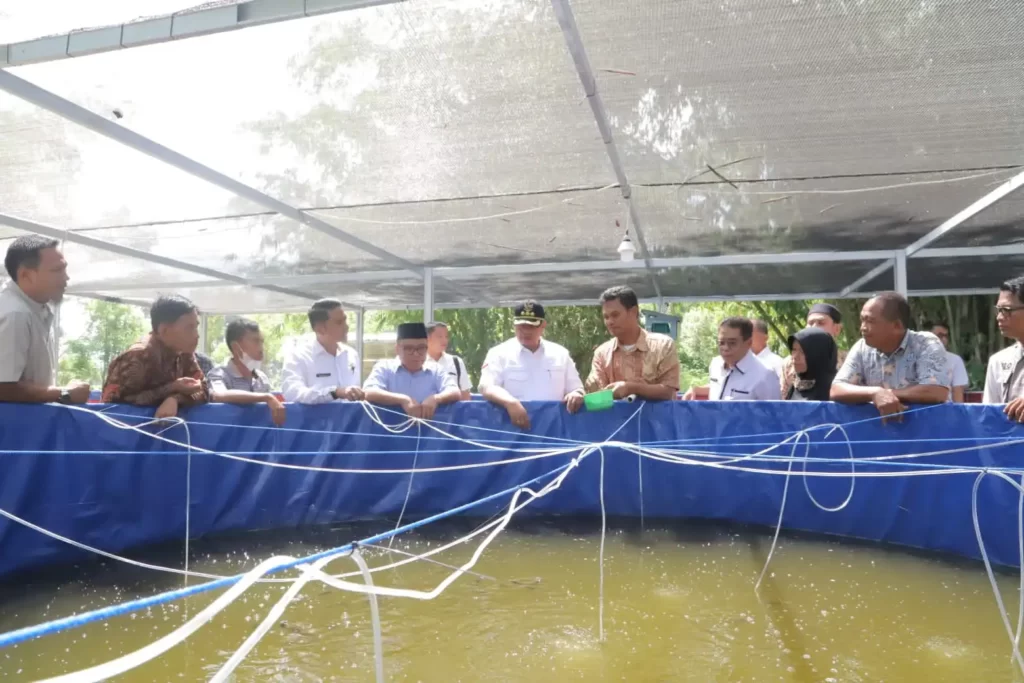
x=227 y=376
x=1004 y=380
x=26 y=338
x=920 y=360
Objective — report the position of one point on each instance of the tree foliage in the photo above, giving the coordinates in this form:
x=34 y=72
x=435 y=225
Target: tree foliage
x=111 y=329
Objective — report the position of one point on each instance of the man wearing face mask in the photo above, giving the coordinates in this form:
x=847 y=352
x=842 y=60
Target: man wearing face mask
x=243 y=371
x=161 y=370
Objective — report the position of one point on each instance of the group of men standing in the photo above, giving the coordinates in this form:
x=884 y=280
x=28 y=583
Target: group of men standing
x=890 y=366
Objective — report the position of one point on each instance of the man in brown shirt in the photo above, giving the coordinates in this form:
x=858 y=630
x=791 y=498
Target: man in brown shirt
x=634 y=361
x=162 y=369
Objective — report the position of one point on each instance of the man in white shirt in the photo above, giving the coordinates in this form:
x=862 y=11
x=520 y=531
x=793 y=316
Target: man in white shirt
x=437 y=353
x=957 y=372
x=759 y=345
x=736 y=374
x=530 y=368
x=325 y=368
x=1004 y=381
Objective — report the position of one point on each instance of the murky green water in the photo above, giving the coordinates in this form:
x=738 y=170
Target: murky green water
x=679 y=606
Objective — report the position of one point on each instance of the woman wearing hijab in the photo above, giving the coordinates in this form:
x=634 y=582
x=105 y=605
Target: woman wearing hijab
x=814 y=354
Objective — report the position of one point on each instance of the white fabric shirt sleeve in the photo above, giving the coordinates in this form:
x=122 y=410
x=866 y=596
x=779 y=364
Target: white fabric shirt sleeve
x=960 y=378
x=465 y=383
x=492 y=373
x=768 y=388
x=993 y=389
x=15 y=337
x=293 y=383
x=572 y=375
x=446 y=382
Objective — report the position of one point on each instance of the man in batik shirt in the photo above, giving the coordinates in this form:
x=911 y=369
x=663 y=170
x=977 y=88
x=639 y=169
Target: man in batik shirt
x=162 y=370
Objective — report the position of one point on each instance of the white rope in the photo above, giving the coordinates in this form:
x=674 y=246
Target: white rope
x=988 y=564
x=468 y=219
x=408 y=490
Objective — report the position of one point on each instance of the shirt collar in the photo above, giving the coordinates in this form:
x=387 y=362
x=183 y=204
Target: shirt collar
x=540 y=347
x=318 y=349
x=641 y=342
x=744 y=366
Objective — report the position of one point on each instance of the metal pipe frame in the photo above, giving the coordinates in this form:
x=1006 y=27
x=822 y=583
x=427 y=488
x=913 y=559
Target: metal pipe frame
x=457 y=273
x=164 y=28
x=1006 y=188
x=222 y=278
x=573 y=40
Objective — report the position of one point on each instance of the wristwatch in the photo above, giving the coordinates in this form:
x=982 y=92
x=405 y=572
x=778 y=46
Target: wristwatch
x=65 y=397
x=334 y=393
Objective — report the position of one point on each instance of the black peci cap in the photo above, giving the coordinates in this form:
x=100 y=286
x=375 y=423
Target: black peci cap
x=829 y=310
x=412 y=331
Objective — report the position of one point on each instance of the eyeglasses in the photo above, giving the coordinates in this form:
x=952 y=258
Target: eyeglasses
x=419 y=349
x=729 y=343
x=1006 y=310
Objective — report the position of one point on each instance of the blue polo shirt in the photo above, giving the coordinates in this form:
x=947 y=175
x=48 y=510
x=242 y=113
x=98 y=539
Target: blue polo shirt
x=391 y=375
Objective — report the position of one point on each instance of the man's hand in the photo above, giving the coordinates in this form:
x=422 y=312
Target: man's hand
x=349 y=393
x=1015 y=410
x=690 y=395
x=277 y=411
x=168 y=409
x=889 y=407
x=428 y=407
x=620 y=390
x=517 y=413
x=412 y=408
x=573 y=402
x=186 y=386
x=79 y=392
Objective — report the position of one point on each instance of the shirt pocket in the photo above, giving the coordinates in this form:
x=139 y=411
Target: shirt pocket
x=736 y=394
x=517 y=379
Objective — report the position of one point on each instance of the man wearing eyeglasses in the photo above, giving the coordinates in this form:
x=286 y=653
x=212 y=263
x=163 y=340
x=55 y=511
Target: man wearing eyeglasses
x=736 y=374
x=408 y=381
x=1004 y=381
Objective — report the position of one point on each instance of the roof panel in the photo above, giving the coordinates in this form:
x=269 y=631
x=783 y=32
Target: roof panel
x=763 y=280
x=404 y=102
x=809 y=89
x=89 y=268
x=221 y=299
x=58 y=173
x=975 y=273
x=849 y=214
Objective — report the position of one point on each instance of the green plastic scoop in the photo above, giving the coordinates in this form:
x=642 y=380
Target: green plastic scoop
x=599 y=400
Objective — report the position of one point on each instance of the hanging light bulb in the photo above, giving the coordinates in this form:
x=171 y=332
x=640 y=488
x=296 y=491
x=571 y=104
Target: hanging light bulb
x=626 y=249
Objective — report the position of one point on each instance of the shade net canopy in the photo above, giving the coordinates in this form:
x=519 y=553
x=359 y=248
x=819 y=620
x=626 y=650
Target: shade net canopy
x=458 y=136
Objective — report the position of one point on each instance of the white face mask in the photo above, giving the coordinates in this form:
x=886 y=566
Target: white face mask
x=252 y=364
